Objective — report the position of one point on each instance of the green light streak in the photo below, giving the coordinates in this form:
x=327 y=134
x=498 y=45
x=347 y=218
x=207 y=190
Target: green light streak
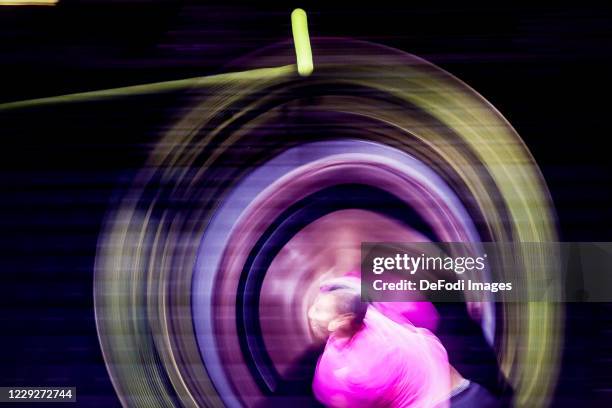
x=144 y=89
x=299 y=26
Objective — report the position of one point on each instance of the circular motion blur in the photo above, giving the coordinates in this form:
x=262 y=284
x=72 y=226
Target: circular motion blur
x=267 y=187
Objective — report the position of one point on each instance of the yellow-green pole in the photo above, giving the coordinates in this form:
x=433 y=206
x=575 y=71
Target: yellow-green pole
x=299 y=26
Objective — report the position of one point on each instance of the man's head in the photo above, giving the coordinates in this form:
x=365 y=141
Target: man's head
x=337 y=308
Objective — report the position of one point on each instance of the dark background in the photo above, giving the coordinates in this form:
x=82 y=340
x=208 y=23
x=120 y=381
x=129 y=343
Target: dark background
x=547 y=69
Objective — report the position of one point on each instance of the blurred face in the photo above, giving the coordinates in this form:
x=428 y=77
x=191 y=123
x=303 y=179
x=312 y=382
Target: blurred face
x=321 y=313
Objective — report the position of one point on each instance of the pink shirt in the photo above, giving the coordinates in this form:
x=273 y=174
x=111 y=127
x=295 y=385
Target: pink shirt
x=385 y=364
